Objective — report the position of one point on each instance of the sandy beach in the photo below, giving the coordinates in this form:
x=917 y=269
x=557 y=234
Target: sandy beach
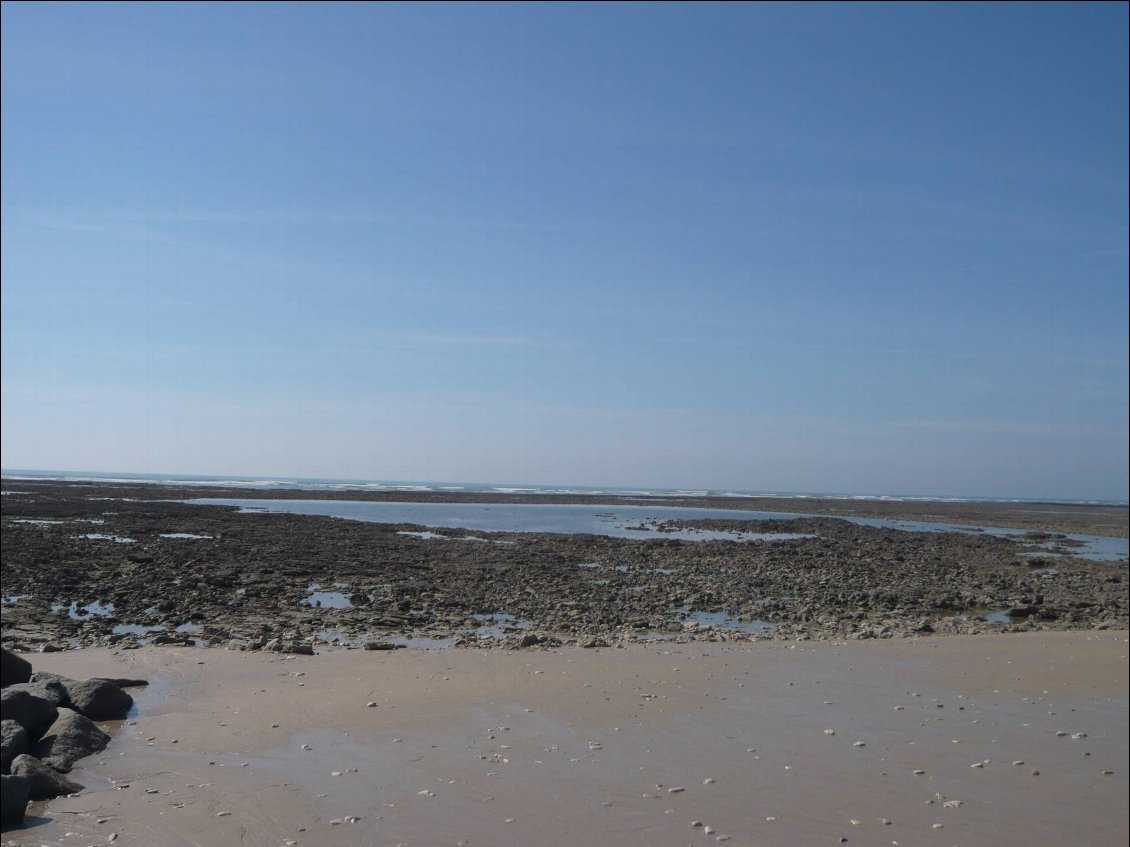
x=1006 y=739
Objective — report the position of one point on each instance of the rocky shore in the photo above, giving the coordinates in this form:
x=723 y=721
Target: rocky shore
x=49 y=724
x=123 y=564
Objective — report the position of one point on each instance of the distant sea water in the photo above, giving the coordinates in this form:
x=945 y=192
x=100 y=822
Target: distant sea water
x=321 y=484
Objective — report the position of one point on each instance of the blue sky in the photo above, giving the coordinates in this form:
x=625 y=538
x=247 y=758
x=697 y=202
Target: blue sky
x=842 y=248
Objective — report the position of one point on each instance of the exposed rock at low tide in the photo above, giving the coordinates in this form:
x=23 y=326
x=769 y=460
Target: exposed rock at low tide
x=45 y=781
x=26 y=704
x=15 y=742
x=13 y=798
x=13 y=668
x=99 y=699
x=243 y=580
x=70 y=738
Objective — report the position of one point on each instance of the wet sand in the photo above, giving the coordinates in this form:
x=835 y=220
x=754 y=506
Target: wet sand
x=771 y=744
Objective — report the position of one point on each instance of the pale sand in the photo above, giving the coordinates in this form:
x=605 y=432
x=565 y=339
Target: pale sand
x=594 y=740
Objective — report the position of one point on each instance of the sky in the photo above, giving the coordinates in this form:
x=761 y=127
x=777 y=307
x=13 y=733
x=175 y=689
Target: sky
x=844 y=248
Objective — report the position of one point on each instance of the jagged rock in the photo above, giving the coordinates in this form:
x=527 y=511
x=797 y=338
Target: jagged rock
x=15 y=741
x=99 y=699
x=13 y=798
x=13 y=669
x=70 y=738
x=45 y=782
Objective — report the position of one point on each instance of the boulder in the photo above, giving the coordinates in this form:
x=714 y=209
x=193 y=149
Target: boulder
x=99 y=699
x=13 y=668
x=13 y=798
x=70 y=738
x=47 y=676
x=26 y=704
x=15 y=742
x=45 y=782
x=50 y=688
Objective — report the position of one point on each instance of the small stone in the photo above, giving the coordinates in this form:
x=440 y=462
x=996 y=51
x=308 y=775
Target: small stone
x=859 y=744
x=918 y=772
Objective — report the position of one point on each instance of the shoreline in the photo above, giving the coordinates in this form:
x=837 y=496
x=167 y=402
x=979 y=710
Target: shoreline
x=915 y=741
x=1089 y=519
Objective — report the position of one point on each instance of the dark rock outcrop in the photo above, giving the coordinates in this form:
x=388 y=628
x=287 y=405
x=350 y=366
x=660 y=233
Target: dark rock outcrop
x=70 y=738
x=99 y=699
x=15 y=742
x=13 y=798
x=13 y=668
x=45 y=782
x=32 y=705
